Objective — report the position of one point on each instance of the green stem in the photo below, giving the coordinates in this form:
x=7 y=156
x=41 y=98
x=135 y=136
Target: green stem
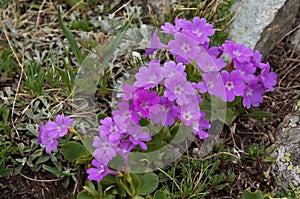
x=72 y=130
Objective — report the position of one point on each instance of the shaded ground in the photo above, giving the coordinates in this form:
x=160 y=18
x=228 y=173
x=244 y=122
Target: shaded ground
x=285 y=62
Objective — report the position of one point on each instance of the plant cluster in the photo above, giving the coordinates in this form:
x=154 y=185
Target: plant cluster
x=165 y=94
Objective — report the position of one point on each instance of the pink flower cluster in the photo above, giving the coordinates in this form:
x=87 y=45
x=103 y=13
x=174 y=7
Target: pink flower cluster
x=246 y=76
x=163 y=94
x=122 y=132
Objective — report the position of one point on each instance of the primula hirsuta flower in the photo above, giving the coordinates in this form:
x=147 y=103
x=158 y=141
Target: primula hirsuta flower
x=128 y=92
x=172 y=69
x=155 y=44
x=233 y=83
x=198 y=30
x=59 y=127
x=238 y=52
x=267 y=78
x=145 y=101
x=190 y=113
x=109 y=128
x=149 y=77
x=49 y=133
x=167 y=113
x=99 y=171
x=208 y=63
x=199 y=127
x=246 y=70
x=46 y=139
x=214 y=84
x=124 y=115
x=105 y=149
x=169 y=28
x=177 y=88
x=253 y=94
x=184 y=47
x=138 y=136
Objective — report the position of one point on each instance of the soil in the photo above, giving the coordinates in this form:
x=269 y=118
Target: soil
x=30 y=185
x=284 y=61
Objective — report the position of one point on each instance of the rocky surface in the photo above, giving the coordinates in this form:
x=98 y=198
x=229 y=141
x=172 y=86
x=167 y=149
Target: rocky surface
x=286 y=169
x=295 y=39
x=261 y=23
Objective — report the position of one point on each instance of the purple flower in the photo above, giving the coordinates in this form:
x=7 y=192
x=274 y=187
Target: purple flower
x=199 y=127
x=125 y=115
x=214 y=84
x=256 y=58
x=215 y=51
x=149 y=77
x=125 y=148
x=267 y=78
x=199 y=30
x=144 y=102
x=59 y=128
x=138 y=137
x=169 y=28
x=177 y=88
x=155 y=44
x=208 y=63
x=238 y=52
x=234 y=84
x=49 y=133
x=110 y=129
x=46 y=140
x=99 y=172
x=184 y=47
x=105 y=149
x=170 y=69
x=167 y=114
x=246 y=70
x=190 y=113
x=129 y=92
x=253 y=94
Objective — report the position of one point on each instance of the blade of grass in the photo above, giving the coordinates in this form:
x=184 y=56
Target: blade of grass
x=70 y=37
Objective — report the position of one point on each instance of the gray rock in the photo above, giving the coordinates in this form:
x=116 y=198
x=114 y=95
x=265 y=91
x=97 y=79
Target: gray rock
x=286 y=169
x=295 y=39
x=260 y=24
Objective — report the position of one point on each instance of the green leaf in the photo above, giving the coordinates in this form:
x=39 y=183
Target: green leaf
x=79 y=3
x=73 y=150
x=95 y=64
x=259 y=114
x=42 y=159
x=159 y=195
x=135 y=181
x=84 y=195
x=230 y=116
x=52 y=170
x=91 y=190
x=6 y=172
x=84 y=159
x=70 y=37
x=144 y=122
x=88 y=143
x=149 y=183
x=137 y=197
x=252 y=195
x=121 y=190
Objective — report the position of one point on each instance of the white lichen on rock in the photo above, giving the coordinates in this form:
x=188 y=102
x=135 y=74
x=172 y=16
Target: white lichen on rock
x=286 y=169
